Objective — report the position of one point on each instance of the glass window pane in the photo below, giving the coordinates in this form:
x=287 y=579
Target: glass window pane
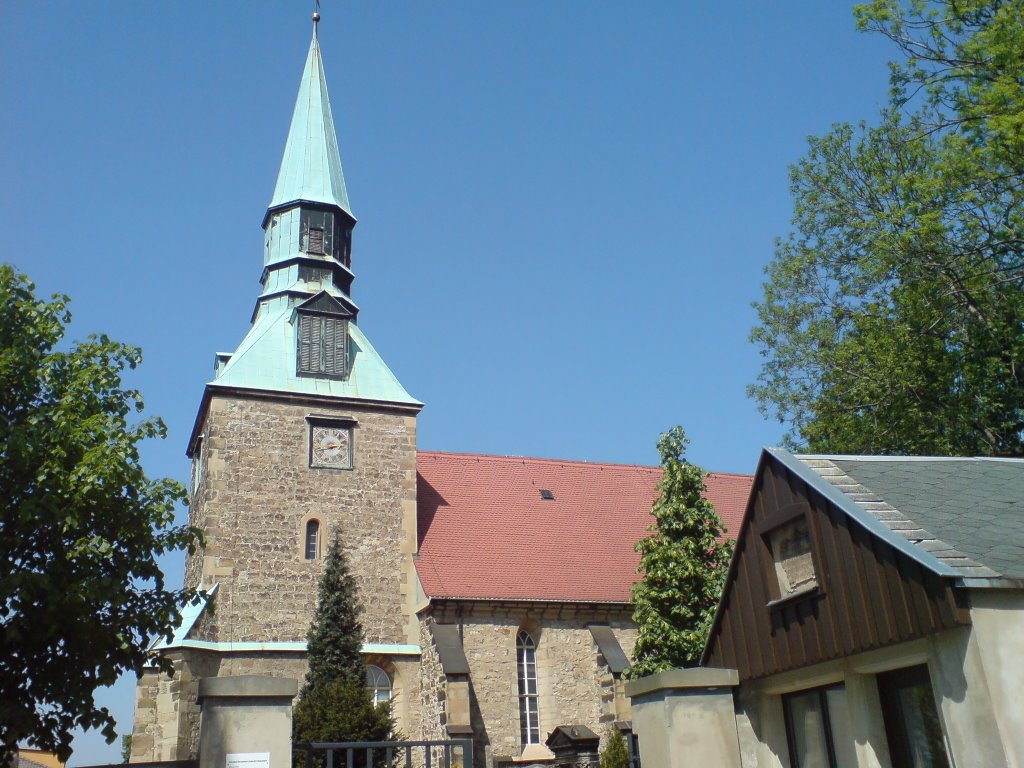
x=379 y=683
x=526 y=673
x=806 y=722
x=912 y=722
x=839 y=721
x=312 y=539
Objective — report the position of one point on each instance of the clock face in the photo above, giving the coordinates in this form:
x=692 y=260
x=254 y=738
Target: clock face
x=331 y=447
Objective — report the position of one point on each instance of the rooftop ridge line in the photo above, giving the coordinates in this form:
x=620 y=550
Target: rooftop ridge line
x=541 y=459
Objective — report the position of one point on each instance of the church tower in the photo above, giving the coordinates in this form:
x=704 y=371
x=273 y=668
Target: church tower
x=303 y=435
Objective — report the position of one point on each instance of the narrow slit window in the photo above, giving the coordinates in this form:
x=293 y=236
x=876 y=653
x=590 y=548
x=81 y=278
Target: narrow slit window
x=529 y=710
x=312 y=539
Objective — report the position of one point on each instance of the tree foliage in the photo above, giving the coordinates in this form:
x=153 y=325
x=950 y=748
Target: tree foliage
x=335 y=638
x=337 y=711
x=335 y=705
x=683 y=565
x=893 y=316
x=80 y=525
x=614 y=754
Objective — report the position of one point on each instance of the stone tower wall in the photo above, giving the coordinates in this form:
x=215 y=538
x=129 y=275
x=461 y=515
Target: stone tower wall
x=258 y=491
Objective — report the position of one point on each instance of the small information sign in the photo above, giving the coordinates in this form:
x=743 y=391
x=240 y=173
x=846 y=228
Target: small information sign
x=247 y=760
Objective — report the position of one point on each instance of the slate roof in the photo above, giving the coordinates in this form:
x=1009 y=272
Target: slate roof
x=967 y=513
x=486 y=533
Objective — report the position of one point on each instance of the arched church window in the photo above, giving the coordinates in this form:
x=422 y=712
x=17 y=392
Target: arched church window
x=529 y=710
x=312 y=539
x=379 y=683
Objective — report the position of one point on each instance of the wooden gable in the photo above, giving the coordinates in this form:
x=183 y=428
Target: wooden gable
x=863 y=593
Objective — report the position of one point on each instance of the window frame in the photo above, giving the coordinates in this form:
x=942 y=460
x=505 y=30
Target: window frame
x=198 y=464
x=897 y=736
x=771 y=524
x=317 y=549
x=322 y=369
x=374 y=688
x=529 y=718
x=822 y=693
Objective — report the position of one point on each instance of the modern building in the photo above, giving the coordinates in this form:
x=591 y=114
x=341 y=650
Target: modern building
x=495 y=589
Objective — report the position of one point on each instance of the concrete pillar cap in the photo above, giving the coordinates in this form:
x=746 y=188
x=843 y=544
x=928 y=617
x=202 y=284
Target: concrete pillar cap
x=255 y=686
x=683 y=679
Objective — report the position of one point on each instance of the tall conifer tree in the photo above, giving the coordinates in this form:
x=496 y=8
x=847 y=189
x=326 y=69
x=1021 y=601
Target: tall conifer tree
x=683 y=565
x=335 y=639
x=335 y=705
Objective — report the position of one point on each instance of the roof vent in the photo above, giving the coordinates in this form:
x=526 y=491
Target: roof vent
x=546 y=494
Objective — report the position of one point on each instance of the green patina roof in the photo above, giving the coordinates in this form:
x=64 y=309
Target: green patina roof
x=266 y=360
x=311 y=166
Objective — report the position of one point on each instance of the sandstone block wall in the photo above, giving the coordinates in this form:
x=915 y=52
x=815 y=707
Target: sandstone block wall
x=167 y=715
x=573 y=679
x=166 y=723
x=433 y=690
x=256 y=495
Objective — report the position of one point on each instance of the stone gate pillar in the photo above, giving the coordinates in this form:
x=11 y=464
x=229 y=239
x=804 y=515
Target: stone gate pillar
x=246 y=722
x=686 y=717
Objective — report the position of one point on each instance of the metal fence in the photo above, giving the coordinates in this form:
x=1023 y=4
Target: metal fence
x=457 y=753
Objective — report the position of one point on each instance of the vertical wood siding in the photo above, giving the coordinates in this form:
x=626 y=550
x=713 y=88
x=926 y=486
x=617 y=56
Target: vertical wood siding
x=869 y=595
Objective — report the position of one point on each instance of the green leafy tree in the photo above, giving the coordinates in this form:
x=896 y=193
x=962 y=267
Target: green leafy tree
x=683 y=565
x=893 y=315
x=614 y=754
x=81 y=525
x=335 y=705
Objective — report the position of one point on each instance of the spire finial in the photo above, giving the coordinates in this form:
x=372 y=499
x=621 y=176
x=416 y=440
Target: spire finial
x=316 y=17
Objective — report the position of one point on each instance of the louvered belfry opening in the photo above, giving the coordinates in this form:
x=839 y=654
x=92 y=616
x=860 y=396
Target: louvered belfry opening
x=323 y=346
x=324 y=232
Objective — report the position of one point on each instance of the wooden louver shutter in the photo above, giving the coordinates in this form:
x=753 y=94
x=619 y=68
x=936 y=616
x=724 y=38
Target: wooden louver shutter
x=322 y=345
x=334 y=346
x=309 y=344
x=315 y=241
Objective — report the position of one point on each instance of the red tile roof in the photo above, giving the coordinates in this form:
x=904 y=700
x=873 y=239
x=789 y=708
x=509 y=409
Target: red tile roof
x=486 y=533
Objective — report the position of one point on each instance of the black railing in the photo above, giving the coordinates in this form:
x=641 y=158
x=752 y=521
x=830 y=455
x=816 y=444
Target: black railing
x=457 y=753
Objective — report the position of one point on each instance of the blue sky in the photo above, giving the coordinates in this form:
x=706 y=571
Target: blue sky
x=565 y=208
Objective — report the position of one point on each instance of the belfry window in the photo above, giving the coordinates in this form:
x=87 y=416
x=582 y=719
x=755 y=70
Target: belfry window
x=312 y=539
x=529 y=711
x=323 y=346
x=323 y=233
x=315 y=241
